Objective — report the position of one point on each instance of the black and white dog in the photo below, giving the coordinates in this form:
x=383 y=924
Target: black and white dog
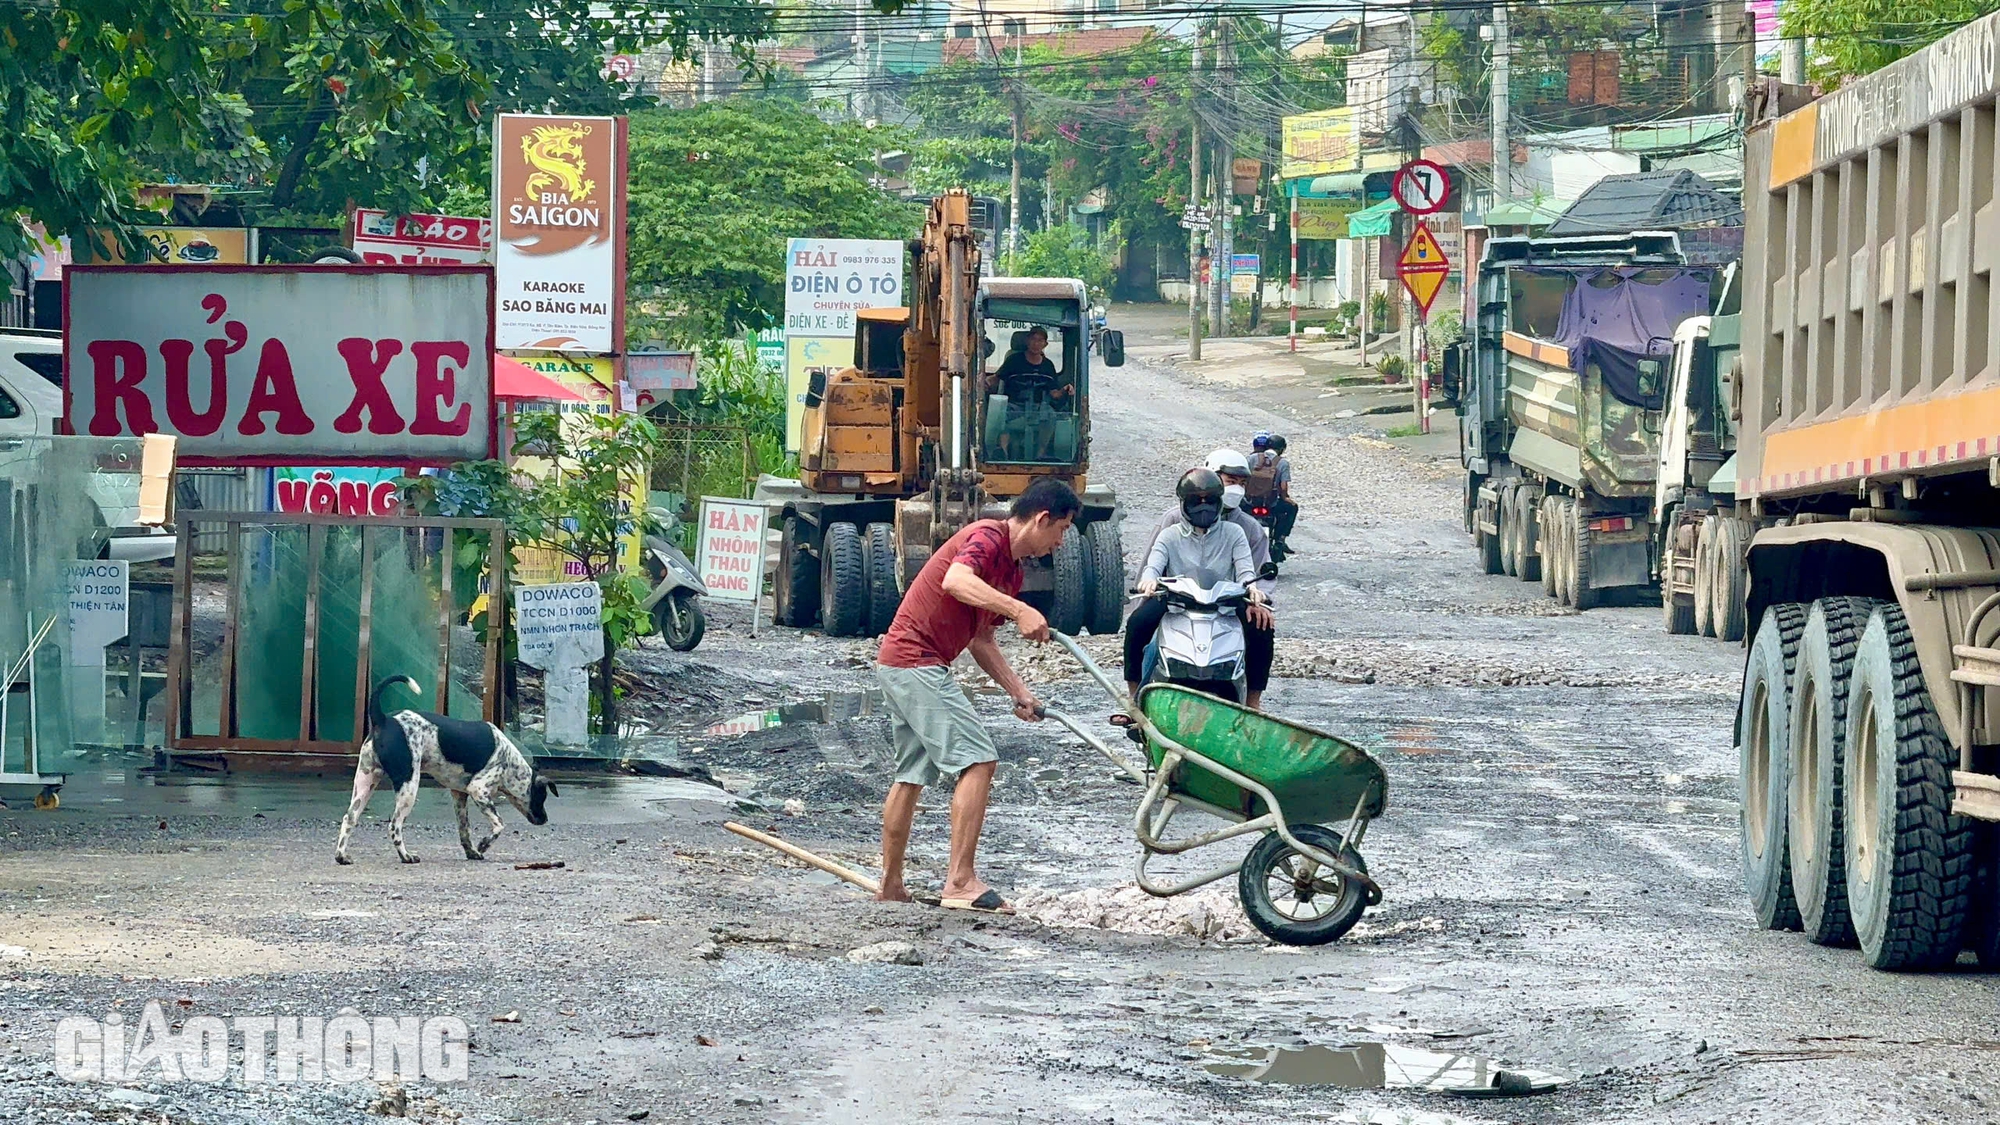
x=474 y=760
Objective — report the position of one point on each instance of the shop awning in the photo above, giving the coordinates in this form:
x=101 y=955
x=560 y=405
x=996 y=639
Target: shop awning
x=513 y=379
x=1339 y=183
x=1373 y=221
x=1526 y=214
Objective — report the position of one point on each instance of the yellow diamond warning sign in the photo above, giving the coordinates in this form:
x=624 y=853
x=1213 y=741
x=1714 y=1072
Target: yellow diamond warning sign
x=1423 y=267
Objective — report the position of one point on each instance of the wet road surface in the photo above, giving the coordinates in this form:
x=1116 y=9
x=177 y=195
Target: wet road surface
x=1558 y=858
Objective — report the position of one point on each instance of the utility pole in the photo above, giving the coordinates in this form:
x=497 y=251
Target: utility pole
x=1503 y=152
x=1194 y=200
x=1220 y=250
x=1014 y=181
x=1791 y=61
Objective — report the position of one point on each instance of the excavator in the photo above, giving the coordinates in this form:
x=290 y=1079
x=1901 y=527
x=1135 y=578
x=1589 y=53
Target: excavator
x=922 y=435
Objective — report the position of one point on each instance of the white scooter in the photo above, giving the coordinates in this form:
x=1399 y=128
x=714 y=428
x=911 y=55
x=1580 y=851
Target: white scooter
x=1200 y=642
x=675 y=600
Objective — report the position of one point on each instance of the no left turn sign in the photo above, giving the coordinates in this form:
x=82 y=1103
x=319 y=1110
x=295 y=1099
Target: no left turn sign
x=1421 y=187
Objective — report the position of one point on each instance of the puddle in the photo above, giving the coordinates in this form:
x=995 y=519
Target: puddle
x=833 y=707
x=1378 y=1066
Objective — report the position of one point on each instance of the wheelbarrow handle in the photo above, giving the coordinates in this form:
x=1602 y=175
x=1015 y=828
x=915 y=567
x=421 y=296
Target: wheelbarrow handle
x=1104 y=680
x=1095 y=742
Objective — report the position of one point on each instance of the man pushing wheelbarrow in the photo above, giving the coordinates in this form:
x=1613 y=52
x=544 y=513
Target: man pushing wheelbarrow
x=953 y=605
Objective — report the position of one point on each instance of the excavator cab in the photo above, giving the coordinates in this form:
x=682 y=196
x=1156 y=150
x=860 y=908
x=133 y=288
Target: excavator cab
x=1033 y=405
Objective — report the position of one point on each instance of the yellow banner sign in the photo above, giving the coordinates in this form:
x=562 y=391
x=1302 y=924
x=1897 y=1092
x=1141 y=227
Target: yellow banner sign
x=1316 y=144
x=1326 y=218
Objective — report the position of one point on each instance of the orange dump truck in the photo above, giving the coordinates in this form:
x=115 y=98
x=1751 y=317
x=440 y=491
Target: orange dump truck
x=1868 y=487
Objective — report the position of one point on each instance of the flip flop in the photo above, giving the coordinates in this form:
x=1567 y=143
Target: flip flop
x=988 y=903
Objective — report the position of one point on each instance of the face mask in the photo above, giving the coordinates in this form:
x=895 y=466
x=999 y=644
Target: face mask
x=1202 y=515
x=1232 y=496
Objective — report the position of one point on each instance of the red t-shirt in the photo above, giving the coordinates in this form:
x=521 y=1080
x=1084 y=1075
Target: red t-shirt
x=931 y=626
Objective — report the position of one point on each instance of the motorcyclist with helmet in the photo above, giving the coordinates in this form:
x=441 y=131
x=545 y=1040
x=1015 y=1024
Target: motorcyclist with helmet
x=1259 y=637
x=1269 y=454
x=1199 y=544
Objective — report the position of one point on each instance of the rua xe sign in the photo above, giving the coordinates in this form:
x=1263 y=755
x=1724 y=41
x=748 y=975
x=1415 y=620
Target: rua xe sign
x=283 y=365
x=559 y=251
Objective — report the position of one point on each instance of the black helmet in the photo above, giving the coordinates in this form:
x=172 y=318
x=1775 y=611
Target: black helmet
x=1277 y=444
x=1200 y=491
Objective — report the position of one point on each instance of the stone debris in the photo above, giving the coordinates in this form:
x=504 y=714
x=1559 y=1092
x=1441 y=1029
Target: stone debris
x=1210 y=913
x=794 y=807
x=886 y=953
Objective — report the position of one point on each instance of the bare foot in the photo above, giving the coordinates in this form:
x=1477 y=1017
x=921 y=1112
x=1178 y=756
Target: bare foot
x=893 y=892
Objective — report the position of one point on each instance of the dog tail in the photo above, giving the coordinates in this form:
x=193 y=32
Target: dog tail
x=377 y=716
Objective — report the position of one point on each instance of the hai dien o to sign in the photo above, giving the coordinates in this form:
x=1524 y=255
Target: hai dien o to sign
x=285 y=364
x=559 y=250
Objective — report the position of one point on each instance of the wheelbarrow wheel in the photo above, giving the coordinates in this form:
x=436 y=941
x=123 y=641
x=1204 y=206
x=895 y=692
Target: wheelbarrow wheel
x=1295 y=901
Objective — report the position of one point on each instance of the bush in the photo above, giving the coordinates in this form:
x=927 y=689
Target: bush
x=1392 y=367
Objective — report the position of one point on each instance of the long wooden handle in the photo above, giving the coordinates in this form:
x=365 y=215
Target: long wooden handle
x=804 y=856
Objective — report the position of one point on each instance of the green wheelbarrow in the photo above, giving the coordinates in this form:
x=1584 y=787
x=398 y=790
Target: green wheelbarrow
x=1303 y=882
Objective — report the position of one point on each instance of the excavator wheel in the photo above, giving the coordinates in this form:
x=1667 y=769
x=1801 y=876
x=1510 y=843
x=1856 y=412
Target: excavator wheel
x=843 y=581
x=883 y=596
x=796 y=589
x=1107 y=577
x=1071 y=598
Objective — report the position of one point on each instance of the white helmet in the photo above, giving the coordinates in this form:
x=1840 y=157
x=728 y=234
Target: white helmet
x=1228 y=461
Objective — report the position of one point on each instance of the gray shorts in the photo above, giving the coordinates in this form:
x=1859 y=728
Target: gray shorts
x=935 y=730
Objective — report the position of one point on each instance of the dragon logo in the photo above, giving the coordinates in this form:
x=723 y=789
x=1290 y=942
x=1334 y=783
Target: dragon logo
x=555 y=153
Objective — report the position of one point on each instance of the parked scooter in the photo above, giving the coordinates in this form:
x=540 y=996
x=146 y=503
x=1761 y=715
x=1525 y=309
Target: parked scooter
x=675 y=600
x=1200 y=642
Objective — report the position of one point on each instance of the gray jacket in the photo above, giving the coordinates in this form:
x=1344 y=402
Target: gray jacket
x=1260 y=540
x=1221 y=555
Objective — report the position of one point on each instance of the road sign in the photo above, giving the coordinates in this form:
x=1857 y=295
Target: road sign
x=1421 y=187
x=1423 y=267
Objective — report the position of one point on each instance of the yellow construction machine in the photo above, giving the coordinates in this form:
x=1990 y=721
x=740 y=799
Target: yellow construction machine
x=943 y=419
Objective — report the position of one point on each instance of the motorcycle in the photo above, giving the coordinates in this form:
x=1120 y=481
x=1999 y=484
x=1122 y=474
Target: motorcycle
x=1260 y=510
x=674 y=602
x=1200 y=642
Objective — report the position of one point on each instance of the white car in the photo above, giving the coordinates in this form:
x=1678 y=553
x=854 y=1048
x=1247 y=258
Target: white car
x=31 y=405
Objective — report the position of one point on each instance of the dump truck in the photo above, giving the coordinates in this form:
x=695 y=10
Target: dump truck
x=1868 y=470
x=1700 y=545
x=1565 y=371
x=922 y=436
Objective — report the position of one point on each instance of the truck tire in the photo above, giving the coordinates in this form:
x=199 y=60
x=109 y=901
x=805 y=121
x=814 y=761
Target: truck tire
x=1070 y=600
x=1545 y=515
x=1909 y=860
x=1704 y=578
x=883 y=594
x=1581 y=594
x=1490 y=561
x=1561 y=547
x=796 y=591
x=1982 y=920
x=843 y=581
x=1677 y=615
x=1728 y=601
x=1764 y=746
x=1818 y=721
x=1510 y=560
x=1528 y=540
x=1107 y=577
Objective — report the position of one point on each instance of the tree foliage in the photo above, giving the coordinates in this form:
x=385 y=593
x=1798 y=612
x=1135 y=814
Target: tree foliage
x=716 y=191
x=324 y=103
x=1854 y=37
x=1069 y=251
x=85 y=85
